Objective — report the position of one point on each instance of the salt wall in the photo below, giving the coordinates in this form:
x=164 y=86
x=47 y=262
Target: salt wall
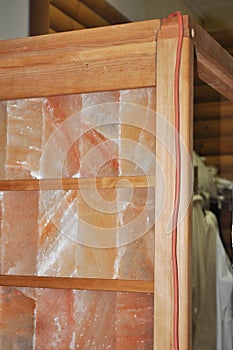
x=105 y=233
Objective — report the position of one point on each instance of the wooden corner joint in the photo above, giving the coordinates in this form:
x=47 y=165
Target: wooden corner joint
x=170 y=27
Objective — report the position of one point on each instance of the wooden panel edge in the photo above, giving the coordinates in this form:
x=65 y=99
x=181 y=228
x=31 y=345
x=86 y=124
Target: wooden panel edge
x=90 y=284
x=77 y=183
x=163 y=296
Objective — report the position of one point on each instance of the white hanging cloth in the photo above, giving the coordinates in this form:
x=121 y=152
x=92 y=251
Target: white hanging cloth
x=204 y=279
x=212 y=284
x=224 y=299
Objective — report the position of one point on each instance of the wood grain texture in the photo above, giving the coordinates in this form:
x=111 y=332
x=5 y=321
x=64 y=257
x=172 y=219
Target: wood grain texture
x=106 y=10
x=204 y=93
x=62 y=22
x=214 y=146
x=68 y=63
x=94 y=284
x=214 y=64
x=212 y=110
x=163 y=293
x=39 y=17
x=80 y=13
x=210 y=128
x=77 y=183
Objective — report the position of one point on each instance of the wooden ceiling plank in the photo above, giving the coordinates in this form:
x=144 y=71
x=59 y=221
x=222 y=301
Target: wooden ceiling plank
x=80 y=13
x=106 y=10
x=61 y=22
x=213 y=110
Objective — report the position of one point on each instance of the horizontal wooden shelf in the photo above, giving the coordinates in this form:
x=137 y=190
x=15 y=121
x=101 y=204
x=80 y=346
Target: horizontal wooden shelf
x=91 y=284
x=77 y=183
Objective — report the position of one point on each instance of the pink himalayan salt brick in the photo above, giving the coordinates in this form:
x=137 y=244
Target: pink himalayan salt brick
x=24 y=138
x=100 y=111
x=19 y=232
x=95 y=320
x=137 y=143
x=101 y=132
x=136 y=235
x=135 y=323
x=144 y=97
x=58 y=229
x=58 y=111
x=97 y=231
x=3 y=121
x=17 y=312
x=55 y=322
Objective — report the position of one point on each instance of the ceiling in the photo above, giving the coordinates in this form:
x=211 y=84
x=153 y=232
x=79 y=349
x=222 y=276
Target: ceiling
x=214 y=15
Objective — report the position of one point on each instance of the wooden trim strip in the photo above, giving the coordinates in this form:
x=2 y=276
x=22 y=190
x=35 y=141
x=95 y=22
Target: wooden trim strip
x=91 y=284
x=123 y=67
x=102 y=37
x=61 y=64
x=214 y=64
x=163 y=280
x=80 y=12
x=77 y=183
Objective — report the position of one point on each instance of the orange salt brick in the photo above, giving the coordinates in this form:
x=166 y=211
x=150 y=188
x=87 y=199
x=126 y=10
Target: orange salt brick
x=3 y=131
x=136 y=261
x=136 y=235
x=134 y=321
x=19 y=232
x=55 y=323
x=58 y=231
x=58 y=111
x=17 y=312
x=99 y=155
x=95 y=320
x=97 y=234
x=137 y=144
x=24 y=138
x=101 y=132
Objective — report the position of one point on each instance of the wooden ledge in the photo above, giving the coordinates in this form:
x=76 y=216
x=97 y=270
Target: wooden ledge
x=77 y=183
x=91 y=284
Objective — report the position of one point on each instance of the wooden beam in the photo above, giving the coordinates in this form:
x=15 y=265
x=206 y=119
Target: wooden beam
x=220 y=109
x=163 y=292
x=106 y=10
x=77 y=183
x=205 y=93
x=80 y=13
x=214 y=146
x=92 y=284
x=61 y=22
x=39 y=17
x=221 y=160
x=213 y=128
x=224 y=37
x=123 y=56
x=214 y=64
x=52 y=31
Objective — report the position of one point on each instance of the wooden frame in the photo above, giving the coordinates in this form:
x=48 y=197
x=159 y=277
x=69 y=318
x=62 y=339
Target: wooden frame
x=126 y=56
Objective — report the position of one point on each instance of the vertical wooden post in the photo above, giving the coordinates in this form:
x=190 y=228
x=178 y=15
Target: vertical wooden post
x=163 y=279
